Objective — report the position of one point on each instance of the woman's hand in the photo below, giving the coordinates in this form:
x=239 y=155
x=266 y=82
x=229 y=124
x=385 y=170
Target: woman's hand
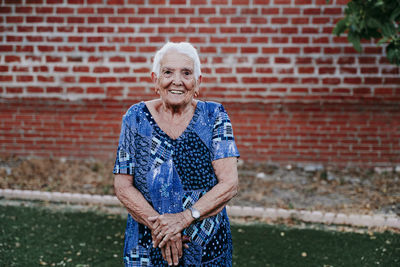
x=167 y=225
x=172 y=251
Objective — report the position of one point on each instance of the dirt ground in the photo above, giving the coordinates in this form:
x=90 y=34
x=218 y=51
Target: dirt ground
x=362 y=191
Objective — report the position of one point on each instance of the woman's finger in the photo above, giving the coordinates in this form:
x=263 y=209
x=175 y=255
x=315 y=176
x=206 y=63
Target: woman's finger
x=163 y=253
x=178 y=244
x=152 y=218
x=174 y=253
x=158 y=238
x=185 y=239
x=164 y=240
x=156 y=231
x=168 y=254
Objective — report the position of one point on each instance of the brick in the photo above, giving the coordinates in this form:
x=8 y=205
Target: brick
x=332 y=11
x=6 y=78
x=291 y=11
x=115 y=2
x=312 y=11
x=240 y=2
x=320 y=20
x=300 y=40
x=249 y=11
x=209 y=30
x=247 y=50
x=86 y=10
x=282 y=2
x=270 y=50
x=21 y=9
x=352 y=80
x=55 y=20
x=276 y=59
x=5 y=9
x=15 y=19
x=279 y=20
x=291 y=50
x=270 y=11
x=280 y=40
x=326 y=70
x=228 y=11
x=207 y=11
x=350 y=70
x=6 y=48
x=310 y=30
x=300 y=20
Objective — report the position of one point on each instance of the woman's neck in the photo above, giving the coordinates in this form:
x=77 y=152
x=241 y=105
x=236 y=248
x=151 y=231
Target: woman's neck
x=173 y=111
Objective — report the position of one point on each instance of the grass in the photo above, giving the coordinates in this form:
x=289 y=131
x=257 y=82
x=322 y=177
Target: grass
x=38 y=236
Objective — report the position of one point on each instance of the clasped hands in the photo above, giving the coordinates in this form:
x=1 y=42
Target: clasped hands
x=166 y=234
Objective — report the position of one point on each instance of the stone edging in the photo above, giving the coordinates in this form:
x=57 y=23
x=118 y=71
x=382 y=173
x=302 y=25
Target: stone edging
x=378 y=220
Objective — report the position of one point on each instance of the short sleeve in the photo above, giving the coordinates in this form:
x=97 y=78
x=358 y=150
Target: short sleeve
x=125 y=159
x=223 y=141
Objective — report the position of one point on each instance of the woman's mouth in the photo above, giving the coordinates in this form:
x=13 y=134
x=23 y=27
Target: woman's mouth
x=175 y=92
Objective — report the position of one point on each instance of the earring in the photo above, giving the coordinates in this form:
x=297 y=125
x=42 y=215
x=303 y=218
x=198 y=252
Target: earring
x=196 y=94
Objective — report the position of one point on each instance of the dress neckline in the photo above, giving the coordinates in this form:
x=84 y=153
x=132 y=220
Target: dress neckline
x=153 y=122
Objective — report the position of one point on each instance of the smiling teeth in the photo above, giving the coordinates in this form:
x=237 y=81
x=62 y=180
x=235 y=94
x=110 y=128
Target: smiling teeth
x=176 y=92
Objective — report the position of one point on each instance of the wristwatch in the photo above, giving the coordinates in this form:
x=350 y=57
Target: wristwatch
x=195 y=213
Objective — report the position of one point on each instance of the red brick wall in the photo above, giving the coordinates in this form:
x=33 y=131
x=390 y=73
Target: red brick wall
x=295 y=93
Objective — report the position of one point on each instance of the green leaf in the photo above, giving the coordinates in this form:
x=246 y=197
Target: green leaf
x=395 y=14
x=383 y=40
x=379 y=3
x=340 y=27
x=388 y=29
x=373 y=23
x=355 y=40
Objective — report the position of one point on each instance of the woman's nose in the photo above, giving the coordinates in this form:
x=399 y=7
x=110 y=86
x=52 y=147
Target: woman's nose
x=177 y=80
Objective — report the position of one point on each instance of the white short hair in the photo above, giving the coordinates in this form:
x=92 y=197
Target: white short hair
x=182 y=47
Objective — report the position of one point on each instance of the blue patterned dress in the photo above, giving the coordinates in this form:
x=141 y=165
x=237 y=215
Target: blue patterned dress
x=172 y=174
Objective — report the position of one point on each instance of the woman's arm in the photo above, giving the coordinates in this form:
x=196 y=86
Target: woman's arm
x=210 y=204
x=215 y=200
x=141 y=210
x=133 y=200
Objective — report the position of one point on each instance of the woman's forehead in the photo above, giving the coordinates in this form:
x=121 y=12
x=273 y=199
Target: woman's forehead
x=174 y=59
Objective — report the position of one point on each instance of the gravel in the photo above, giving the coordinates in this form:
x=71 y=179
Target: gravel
x=310 y=187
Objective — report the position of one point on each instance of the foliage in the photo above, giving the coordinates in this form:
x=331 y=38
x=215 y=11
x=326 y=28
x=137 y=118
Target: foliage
x=378 y=19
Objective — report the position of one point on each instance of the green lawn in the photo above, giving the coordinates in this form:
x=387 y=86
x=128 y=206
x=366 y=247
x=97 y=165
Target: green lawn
x=39 y=236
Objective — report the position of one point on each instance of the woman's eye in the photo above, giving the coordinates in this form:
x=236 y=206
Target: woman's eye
x=187 y=73
x=167 y=73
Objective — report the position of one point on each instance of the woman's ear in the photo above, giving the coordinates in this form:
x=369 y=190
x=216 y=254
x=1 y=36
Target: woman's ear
x=154 y=77
x=199 y=80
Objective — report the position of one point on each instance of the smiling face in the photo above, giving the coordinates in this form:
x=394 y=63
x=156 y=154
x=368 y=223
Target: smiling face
x=176 y=82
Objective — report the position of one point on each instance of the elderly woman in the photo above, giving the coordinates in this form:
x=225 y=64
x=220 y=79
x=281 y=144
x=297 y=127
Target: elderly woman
x=176 y=170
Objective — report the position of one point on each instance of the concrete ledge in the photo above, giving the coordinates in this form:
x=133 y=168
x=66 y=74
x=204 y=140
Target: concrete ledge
x=377 y=220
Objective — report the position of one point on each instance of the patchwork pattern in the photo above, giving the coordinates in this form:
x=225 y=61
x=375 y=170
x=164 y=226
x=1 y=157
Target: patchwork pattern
x=200 y=232
x=138 y=257
x=222 y=127
x=160 y=150
x=173 y=174
x=124 y=163
x=142 y=166
x=192 y=160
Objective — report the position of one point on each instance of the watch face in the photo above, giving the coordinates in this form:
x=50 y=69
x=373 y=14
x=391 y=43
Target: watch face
x=195 y=213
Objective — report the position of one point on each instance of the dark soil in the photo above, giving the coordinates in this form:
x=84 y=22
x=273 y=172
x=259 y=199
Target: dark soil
x=362 y=191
